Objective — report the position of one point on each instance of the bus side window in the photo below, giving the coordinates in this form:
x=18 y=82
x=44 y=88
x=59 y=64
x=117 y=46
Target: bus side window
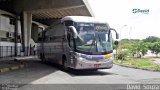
x=40 y=37
x=48 y=35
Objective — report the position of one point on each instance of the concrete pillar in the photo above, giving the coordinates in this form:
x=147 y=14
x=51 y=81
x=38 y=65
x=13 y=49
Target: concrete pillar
x=26 y=24
x=15 y=36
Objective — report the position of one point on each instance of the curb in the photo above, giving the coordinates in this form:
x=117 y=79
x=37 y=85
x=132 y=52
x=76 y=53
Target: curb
x=138 y=68
x=6 y=69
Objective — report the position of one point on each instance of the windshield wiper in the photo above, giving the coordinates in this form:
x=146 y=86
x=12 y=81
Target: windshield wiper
x=93 y=43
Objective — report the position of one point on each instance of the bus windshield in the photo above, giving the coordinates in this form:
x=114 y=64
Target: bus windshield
x=93 y=37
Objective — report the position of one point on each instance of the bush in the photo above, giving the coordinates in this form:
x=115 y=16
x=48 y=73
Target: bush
x=122 y=53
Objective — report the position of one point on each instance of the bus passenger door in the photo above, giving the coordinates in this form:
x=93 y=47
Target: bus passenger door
x=71 y=48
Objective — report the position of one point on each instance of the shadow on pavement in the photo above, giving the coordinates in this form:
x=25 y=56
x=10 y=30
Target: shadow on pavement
x=36 y=70
x=33 y=71
x=74 y=72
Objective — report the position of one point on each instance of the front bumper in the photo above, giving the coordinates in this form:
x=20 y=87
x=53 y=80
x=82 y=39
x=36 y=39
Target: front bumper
x=86 y=64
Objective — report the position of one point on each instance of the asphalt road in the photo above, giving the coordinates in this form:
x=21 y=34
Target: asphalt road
x=49 y=74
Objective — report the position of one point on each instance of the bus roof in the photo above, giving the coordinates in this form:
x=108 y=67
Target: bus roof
x=86 y=19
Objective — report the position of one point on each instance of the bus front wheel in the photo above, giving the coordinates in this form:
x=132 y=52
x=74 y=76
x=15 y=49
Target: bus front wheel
x=65 y=67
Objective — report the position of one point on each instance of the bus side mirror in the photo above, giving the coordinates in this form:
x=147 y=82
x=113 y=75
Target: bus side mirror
x=73 y=29
x=117 y=35
x=116 y=43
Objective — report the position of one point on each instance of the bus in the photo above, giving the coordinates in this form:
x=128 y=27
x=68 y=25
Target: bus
x=77 y=42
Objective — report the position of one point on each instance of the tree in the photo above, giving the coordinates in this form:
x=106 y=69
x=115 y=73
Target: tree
x=124 y=41
x=151 y=39
x=140 y=49
x=132 y=49
x=155 y=48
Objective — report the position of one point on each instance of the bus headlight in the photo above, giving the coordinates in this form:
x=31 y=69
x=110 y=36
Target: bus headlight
x=80 y=59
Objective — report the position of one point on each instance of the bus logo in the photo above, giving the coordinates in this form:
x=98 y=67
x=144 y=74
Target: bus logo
x=144 y=11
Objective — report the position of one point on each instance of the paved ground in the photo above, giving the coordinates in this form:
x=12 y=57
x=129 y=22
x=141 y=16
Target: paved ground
x=13 y=63
x=39 y=73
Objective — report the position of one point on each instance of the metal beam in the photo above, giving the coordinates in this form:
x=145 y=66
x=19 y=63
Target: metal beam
x=88 y=7
x=7 y=13
x=27 y=5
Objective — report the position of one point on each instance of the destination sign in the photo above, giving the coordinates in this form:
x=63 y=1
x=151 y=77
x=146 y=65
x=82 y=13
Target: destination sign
x=100 y=27
x=95 y=26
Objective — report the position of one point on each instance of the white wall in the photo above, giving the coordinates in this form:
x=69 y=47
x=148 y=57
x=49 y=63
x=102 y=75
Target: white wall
x=5 y=24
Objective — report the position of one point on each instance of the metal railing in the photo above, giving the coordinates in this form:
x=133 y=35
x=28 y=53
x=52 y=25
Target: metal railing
x=9 y=51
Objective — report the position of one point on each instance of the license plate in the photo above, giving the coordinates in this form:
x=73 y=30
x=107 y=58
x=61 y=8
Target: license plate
x=97 y=65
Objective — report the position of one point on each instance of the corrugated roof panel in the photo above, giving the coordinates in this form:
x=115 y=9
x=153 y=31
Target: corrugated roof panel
x=59 y=13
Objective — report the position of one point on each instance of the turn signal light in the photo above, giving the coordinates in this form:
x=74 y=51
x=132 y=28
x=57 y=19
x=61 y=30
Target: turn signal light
x=107 y=56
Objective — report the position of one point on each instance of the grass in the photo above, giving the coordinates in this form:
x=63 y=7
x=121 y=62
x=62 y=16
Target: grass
x=141 y=63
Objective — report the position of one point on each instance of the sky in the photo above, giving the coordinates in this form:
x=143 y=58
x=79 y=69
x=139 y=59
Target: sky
x=119 y=15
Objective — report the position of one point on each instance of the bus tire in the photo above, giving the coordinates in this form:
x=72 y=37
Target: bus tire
x=65 y=67
x=94 y=70
x=42 y=57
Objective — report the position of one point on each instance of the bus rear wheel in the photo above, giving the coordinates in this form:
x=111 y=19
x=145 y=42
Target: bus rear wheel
x=42 y=57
